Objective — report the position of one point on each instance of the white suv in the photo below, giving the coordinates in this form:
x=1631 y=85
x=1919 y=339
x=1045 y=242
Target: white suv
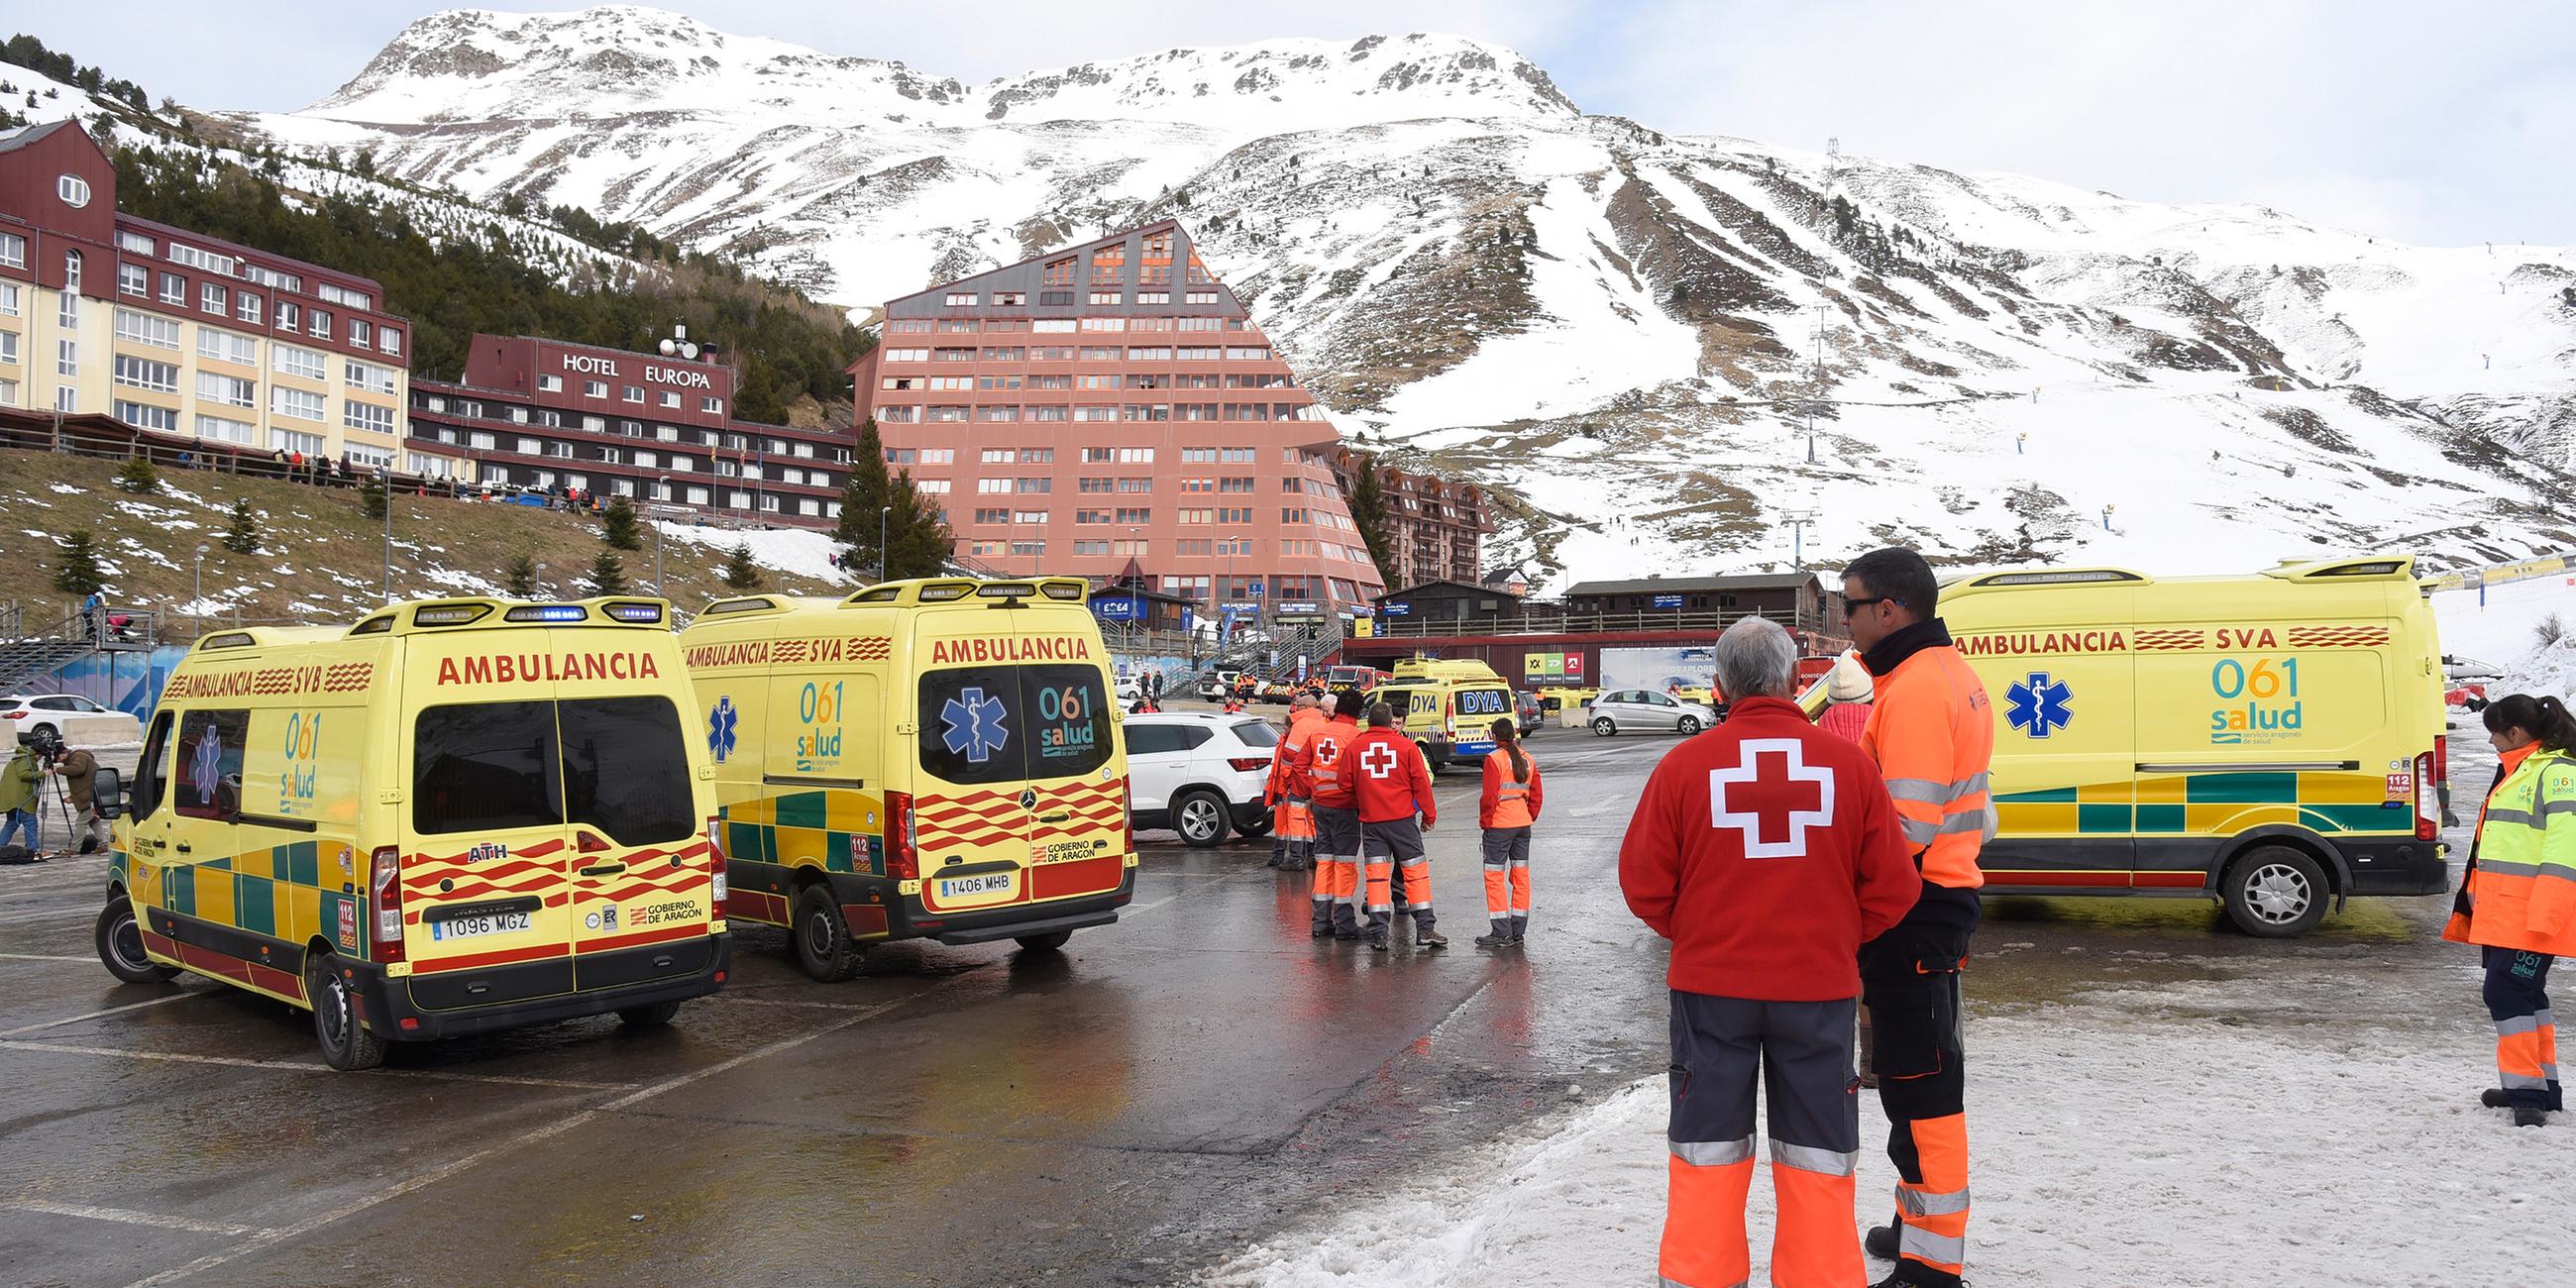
x=1199 y=774
x=81 y=722
x=1645 y=709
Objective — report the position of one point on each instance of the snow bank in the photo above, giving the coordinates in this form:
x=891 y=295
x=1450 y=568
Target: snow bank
x=2109 y=1148
x=795 y=550
x=2502 y=632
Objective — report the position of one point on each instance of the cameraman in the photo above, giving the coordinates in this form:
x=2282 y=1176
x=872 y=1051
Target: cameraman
x=18 y=799
x=76 y=768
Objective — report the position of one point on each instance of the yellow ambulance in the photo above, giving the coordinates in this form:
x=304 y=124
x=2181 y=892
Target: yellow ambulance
x=1447 y=707
x=936 y=758
x=2273 y=740
x=458 y=815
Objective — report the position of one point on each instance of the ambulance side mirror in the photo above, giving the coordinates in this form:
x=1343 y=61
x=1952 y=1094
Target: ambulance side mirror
x=107 y=792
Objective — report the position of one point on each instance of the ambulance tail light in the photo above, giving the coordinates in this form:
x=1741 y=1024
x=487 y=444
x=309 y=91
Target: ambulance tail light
x=2428 y=795
x=717 y=883
x=903 y=854
x=1126 y=813
x=384 y=894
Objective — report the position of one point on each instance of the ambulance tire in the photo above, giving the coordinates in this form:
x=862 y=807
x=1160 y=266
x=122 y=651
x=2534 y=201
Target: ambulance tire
x=120 y=946
x=822 y=938
x=346 y=1044
x=1200 y=815
x=1046 y=943
x=2275 y=892
x=648 y=1017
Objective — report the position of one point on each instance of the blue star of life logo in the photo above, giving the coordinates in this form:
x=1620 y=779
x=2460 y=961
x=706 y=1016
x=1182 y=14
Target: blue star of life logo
x=974 y=725
x=2038 y=706
x=206 y=768
x=720 y=725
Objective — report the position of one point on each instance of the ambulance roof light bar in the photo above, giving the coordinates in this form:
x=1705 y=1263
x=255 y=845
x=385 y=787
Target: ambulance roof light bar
x=2058 y=577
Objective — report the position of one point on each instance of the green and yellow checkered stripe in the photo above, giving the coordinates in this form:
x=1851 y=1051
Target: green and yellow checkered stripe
x=2220 y=804
x=844 y=826
x=274 y=892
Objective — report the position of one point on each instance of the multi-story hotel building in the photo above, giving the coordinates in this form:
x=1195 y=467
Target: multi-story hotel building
x=1113 y=402
x=1435 y=527
x=542 y=414
x=181 y=334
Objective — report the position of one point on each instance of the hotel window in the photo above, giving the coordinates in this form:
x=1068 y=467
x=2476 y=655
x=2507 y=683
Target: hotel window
x=1198 y=411
x=952 y=355
x=996 y=515
x=1247 y=355
x=992 y=485
x=389 y=341
x=1137 y=486
x=1158 y=245
x=288 y=315
x=711 y=406
x=898 y=415
x=998 y=382
x=1237 y=456
x=287 y=440
x=271 y=278
x=246 y=307
x=1135 y=514
x=1032 y=518
x=369 y=376
x=632 y=393
x=1198 y=484
x=227 y=390
x=647 y=460
x=1034 y=485
x=1091 y=516
x=146 y=416
x=1037 y=456
x=1028 y=549
x=13 y=251
x=1235 y=515
x=1044 y=326
x=143 y=373
x=1104 y=324
x=213 y=299
x=144 y=328
x=1108 y=272
x=550 y=384
x=368 y=416
x=907 y=355
x=939 y=456
x=986 y=547
x=1154 y=354
x=372 y=458
x=1198 y=355
x=997 y=456
x=71 y=273
x=670 y=400
x=9 y=349
x=8 y=299
x=1010 y=354
x=1146 y=411
x=229 y=431
x=342 y=295
x=1202 y=324
x=664 y=433
x=908 y=326
x=1199 y=297
x=1150 y=297
x=1154 y=275
x=1090 y=483
x=1010 y=299
x=1096 y=411
x=480 y=442
x=1047 y=413
x=1198 y=456
x=319 y=325
x=1136 y=455
x=298 y=403
x=1091 y=547
x=1060 y=272
x=1096 y=382
x=1106 y=297
x=594 y=389
x=997 y=413
x=133 y=279
x=961 y=299
x=1196 y=517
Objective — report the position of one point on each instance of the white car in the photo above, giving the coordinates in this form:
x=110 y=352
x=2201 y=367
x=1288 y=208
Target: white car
x=79 y=721
x=1199 y=774
x=1130 y=688
x=1646 y=710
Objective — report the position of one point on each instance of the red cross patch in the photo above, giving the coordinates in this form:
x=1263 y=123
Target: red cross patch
x=1379 y=760
x=1769 y=785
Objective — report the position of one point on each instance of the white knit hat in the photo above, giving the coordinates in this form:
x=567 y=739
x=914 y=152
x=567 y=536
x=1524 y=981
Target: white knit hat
x=1849 y=680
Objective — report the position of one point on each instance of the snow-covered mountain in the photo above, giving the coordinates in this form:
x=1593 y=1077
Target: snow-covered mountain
x=1625 y=329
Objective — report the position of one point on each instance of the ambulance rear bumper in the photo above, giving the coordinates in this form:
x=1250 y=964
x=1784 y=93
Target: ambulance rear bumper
x=2395 y=866
x=1014 y=921
x=422 y=1007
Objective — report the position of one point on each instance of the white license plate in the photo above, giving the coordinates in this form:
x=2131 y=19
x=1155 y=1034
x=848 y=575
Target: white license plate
x=968 y=887
x=490 y=923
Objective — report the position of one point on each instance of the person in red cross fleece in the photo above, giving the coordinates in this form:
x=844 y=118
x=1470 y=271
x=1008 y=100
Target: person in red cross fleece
x=1766 y=851
x=1393 y=785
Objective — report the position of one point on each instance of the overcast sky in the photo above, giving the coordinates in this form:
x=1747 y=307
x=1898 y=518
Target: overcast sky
x=2445 y=124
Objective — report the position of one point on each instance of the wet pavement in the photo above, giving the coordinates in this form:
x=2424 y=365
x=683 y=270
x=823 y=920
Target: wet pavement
x=1128 y=1111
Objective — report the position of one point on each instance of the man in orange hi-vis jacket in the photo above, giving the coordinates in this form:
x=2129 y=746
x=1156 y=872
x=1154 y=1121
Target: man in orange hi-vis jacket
x=1291 y=789
x=1932 y=732
x=1337 y=817
x=1767 y=851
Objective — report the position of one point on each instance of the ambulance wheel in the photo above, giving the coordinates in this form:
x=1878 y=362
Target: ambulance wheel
x=1602 y=726
x=823 y=945
x=1199 y=816
x=2275 y=892
x=120 y=946
x=346 y=1043
x=1688 y=725
x=1046 y=943
x=648 y=1017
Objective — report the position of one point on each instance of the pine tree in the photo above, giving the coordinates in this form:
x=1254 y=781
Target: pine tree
x=606 y=576
x=861 y=499
x=1368 y=514
x=243 y=536
x=371 y=496
x=138 y=476
x=520 y=576
x=740 y=572
x=77 y=572
x=618 y=526
x=918 y=543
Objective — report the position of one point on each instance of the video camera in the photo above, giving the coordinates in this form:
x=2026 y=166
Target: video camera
x=47 y=744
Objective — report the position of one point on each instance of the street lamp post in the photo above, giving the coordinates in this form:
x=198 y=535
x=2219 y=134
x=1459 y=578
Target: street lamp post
x=664 y=484
x=882 y=563
x=385 y=481
x=541 y=580
x=197 y=585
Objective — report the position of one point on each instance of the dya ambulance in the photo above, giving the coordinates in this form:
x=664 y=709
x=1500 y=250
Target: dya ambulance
x=935 y=758
x=2274 y=740
x=458 y=815
x=1447 y=706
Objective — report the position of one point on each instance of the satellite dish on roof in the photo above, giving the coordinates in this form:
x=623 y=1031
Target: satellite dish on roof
x=688 y=350
x=669 y=347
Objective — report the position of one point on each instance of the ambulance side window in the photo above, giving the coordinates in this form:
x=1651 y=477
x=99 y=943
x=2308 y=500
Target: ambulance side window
x=152 y=772
x=208 y=764
x=626 y=769
x=485 y=766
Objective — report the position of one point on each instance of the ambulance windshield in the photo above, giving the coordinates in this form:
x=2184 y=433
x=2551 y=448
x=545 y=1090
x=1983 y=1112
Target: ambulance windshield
x=995 y=724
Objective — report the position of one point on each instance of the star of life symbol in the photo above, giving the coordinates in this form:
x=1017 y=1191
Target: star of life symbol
x=1756 y=822
x=1379 y=760
x=974 y=725
x=206 y=768
x=720 y=725
x=2038 y=706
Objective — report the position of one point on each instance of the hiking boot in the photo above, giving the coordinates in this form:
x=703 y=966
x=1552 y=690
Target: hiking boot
x=1494 y=939
x=1377 y=943
x=2493 y=1098
x=1430 y=939
x=1318 y=932
x=2530 y=1117
x=1346 y=935
x=1880 y=1242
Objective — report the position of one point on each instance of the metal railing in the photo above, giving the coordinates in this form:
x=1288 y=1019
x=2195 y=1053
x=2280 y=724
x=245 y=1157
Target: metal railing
x=1539 y=619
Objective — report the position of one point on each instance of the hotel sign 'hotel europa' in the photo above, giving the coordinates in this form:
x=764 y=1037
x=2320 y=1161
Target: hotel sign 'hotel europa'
x=589 y=364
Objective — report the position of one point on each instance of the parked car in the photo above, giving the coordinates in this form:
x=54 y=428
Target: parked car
x=1645 y=710
x=1531 y=713
x=1199 y=774
x=80 y=722
x=2466 y=681
x=1130 y=688
x=1214 y=685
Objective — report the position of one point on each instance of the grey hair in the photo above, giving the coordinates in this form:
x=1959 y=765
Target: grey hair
x=1755 y=659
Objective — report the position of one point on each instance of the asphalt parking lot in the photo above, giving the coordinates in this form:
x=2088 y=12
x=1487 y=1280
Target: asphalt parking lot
x=1128 y=1111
